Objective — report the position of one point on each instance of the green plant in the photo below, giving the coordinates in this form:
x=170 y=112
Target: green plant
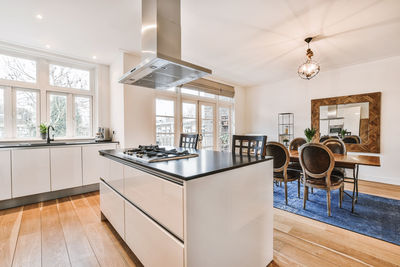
x=343 y=133
x=309 y=133
x=43 y=128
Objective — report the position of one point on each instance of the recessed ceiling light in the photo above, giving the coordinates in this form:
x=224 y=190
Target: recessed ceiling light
x=39 y=16
x=48 y=46
x=94 y=57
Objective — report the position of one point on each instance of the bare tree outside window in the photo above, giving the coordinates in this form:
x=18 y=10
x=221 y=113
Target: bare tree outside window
x=82 y=116
x=17 y=69
x=26 y=113
x=165 y=122
x=1 y=112
x=58 y=114
x=69 y=77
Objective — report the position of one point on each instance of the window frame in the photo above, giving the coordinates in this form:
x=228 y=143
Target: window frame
x=73 y=128
x=169 y=98
x=14 y=111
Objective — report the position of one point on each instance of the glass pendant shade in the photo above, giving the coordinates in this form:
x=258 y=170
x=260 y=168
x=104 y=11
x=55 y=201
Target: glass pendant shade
x=309 y=68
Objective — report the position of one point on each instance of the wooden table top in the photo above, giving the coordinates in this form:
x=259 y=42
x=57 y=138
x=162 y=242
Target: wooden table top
x=346 y=159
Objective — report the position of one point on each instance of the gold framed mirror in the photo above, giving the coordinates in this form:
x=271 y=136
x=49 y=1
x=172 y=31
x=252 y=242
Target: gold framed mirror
x=356 y=119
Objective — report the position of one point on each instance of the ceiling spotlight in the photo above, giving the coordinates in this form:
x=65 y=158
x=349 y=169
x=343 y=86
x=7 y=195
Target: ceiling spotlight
x=94 y=57
x=309 y=68
x=39 y=16
x=48 y=46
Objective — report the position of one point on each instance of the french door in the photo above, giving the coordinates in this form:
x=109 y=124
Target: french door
x=199 y=117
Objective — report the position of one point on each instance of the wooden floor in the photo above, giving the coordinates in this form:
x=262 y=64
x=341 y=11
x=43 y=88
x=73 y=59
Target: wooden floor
x=68 y=232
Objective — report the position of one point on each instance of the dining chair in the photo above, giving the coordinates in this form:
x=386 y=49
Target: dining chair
x=326 y=137
x=281 y=163
x=318 y=162
x=249 y=145
x=188 y=140
x=295 y=144
x=352 y=139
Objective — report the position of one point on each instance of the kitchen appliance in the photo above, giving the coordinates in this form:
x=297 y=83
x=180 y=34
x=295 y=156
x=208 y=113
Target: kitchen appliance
x=154 y=153
x=161 y=66
x=103 y=134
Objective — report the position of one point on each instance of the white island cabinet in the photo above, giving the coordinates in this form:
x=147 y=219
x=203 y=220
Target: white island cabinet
x=212 y=210
x=30 y=171
x=66 y=167
x=5 y=174
x=94 y=166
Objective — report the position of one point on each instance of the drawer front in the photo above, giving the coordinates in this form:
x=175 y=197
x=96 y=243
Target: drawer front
x=151 y=244
x=5 y=174
x=112 y=206
x=161 y=199
x=94 y=165
x=114 y=175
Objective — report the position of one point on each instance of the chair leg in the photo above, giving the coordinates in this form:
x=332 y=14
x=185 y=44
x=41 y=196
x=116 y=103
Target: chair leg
x=353 y=202
x=312 y=190
x=286 y=192
x=328 y=199
x=341 y=195
x=298 y=188
x=305 y=196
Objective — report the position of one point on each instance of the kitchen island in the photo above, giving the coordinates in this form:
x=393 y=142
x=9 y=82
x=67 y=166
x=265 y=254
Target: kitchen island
x=212 y=210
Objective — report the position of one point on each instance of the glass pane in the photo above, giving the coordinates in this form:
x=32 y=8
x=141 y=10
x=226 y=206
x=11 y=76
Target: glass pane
x=189 y=125
x=189 y=91
x=1 y=112
x=165 y=139
x=164 y=107
x=208 y=141
x=189 y=110
x=69 y=77
x=208 y=126
x=225 y=98
x=224 y=131
x=26 y=117
x=207 y=95
x=83 y=116
x=165 y=125
x=207 y=112
x=58 y=114
x=17 y=69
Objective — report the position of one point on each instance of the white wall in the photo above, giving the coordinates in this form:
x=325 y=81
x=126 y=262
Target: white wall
x=294 y=95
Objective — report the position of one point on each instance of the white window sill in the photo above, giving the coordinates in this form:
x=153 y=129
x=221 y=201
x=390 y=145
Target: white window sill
x=37 y=140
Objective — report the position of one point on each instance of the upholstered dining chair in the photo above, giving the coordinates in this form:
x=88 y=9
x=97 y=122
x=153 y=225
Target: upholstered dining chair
x=318 y=162
x=188 y=140
x=352 y=139
x=281 y=163
x=324 y=138
x=249 y=145
x=295 y=144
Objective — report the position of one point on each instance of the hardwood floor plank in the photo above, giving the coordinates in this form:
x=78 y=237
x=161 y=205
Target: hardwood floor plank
x=54 y=249
x=79 y=250
x=105 y=250
x=28 y=249
x=10 y=221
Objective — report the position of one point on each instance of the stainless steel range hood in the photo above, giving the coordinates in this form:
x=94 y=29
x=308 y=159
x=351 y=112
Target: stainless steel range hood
x=161 y=66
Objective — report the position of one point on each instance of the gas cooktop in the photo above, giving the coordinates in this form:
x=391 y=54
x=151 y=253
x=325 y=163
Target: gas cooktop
x=154 y=153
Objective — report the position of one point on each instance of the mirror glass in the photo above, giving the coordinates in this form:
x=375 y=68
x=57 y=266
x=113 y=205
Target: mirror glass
x=348 y=122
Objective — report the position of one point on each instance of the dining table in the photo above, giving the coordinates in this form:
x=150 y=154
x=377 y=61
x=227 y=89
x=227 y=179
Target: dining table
x=348 y=161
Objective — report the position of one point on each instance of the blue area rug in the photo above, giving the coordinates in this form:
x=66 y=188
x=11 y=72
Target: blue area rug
x=373 y=216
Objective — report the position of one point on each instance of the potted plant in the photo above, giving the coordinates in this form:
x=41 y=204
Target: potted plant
x=309 y=133
x=343 y=133
x=43 y=130
x=286 y=142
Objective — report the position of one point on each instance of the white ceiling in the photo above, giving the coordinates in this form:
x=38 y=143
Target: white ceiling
x=244 y=42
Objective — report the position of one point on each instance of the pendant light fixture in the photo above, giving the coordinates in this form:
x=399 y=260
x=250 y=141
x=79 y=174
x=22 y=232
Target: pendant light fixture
x=309 y=68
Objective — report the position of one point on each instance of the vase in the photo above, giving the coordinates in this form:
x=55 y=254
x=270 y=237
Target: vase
x=43 y=136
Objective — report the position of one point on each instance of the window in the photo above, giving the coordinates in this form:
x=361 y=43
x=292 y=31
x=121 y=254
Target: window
x=17 y=69
x=58 y=114
x=189 y=117
x=165 y=122
x=67 y=77
x=2 y=113
x=83 y=115
x=224 y=119
x=26 y=110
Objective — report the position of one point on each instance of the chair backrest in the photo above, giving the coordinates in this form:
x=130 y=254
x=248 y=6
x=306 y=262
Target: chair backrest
x=316 y=160
x=336 y=146
x=296 y=143
x=249 y=144
x=280 y=154
x=326 y=137
x=352 y=139
x=189 y=140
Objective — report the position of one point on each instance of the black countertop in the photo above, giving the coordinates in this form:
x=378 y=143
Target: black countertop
x=54 y=143
x=208 y=162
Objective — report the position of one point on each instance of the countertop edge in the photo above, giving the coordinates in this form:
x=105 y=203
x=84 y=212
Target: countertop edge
x=55 y=144
x=172 y=176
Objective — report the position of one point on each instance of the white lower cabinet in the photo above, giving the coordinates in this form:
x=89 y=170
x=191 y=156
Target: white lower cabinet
x=151 y=243
x=94 y=165
x=66 y=167
x=30 y=171
x=112 y=206
x=5 y=174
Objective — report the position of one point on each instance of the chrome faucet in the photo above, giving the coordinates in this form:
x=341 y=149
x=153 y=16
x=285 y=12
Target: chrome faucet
x=48 y=134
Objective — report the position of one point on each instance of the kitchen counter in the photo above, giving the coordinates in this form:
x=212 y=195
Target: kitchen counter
x=208 y=162
x=53 y=143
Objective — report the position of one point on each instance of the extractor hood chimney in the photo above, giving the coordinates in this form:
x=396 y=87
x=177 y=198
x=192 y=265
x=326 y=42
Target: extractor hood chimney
x=161 y=66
